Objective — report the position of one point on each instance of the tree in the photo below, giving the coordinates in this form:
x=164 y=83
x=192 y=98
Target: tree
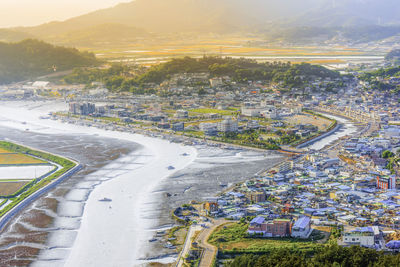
x=387 y=154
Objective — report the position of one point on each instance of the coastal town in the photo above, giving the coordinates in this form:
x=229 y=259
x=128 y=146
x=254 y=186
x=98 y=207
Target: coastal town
x=200 y=133
x=343 y=192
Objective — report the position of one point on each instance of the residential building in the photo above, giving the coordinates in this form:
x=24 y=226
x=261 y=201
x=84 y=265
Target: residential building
x=209 y=129
x=302 y=227
x=182 y=114
x=385 y=183
x=275 y=228
x=179 y=126
x=363 y=236
x=210 y=207
x=257 y=196
x=228 y=125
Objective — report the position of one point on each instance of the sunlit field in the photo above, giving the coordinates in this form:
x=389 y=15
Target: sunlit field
x=149 y=53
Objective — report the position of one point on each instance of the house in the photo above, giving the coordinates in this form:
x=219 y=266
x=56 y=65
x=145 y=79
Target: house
x=211 y=208
x=257 y=196
x=275 y=228
x=178 y=126
x=302 y=227
x=182 y=114
x=362 y=236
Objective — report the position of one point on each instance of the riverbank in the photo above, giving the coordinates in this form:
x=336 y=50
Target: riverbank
x=39 y=186
x=100 y=241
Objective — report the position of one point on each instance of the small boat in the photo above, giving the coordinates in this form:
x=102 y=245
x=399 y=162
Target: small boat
x=105 y=199
x=185 y=154
x=171 y=168
x=153 y=240
x=169 y=245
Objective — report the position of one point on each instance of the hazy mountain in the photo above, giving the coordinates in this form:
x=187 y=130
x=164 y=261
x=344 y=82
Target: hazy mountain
x=184 y=15
x=222 y=16
x=102 y=34
x=353 y=13
x=13 y=35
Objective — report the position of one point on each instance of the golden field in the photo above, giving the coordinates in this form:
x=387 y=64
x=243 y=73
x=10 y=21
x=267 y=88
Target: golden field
x=18 y=159
x=4 y=151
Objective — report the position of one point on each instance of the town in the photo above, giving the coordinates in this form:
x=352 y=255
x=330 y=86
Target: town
x=345 y=192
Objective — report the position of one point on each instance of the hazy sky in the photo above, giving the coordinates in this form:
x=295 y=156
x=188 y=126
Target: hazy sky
x=34 y=12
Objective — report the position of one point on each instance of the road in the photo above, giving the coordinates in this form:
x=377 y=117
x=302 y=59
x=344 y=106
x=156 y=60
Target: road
x=210 y=251
x=188 y=243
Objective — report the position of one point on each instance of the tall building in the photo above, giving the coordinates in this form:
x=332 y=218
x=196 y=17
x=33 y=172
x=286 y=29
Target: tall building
x=209 y=129
x=386 y=183
x=82 y=109
x=228 y=125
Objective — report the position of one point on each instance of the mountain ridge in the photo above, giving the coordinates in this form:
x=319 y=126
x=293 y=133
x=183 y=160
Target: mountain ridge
x=226 y=16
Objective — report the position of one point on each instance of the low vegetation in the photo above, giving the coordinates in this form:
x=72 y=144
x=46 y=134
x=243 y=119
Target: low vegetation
x=332 y=255
x=233 y=239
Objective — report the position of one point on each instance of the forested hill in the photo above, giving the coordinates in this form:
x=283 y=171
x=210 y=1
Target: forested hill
x=31 y=58
x=120 y=78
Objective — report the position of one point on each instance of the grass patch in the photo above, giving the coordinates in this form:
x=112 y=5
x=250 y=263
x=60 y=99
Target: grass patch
x=212 y=110
x=233 y=237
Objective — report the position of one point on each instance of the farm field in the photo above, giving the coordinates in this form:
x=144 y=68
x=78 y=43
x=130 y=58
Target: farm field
x=9 y=188
x=2 y=150
x=24 y=172
x=149 y=53
x=18 y=159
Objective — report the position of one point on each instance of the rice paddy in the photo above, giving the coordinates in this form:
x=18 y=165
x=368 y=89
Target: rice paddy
x=9 y=188
x=2 y=150
x=148 y=53
x=18 y=159
x=18 y=169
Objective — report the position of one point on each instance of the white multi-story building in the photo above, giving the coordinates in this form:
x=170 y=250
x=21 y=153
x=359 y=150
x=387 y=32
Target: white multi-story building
x=209 y=129
x=363 y=236
x=228 y=125
x=270 y=112
x=302 y=227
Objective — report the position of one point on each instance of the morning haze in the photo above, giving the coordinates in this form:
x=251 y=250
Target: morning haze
x=15 y=13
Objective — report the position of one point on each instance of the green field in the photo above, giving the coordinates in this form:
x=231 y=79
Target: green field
x=211 y=111
x=233 y=237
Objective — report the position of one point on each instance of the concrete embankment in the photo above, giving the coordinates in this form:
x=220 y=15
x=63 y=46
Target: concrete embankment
x=14 y=211
x=322 y=136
